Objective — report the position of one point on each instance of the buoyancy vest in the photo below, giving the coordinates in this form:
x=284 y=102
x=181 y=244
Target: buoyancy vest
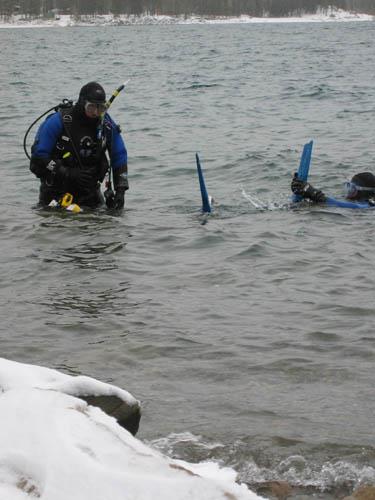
x=83 y=143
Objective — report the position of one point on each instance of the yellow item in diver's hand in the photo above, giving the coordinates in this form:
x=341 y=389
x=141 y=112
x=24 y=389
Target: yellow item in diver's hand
x=67 y=203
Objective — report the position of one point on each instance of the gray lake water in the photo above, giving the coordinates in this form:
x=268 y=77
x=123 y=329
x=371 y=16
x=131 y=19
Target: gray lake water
x=249 y=335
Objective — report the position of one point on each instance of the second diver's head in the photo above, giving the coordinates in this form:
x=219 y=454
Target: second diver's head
x=92 y=100
x=361 y=186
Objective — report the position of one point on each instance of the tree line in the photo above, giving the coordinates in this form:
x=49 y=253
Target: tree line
x=256 y=8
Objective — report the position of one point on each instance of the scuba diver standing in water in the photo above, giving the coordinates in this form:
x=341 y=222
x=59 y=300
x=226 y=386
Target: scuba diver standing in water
x=69 y=152
x=360 y=192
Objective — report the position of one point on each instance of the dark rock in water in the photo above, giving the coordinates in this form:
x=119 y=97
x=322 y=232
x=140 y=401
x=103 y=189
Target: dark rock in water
x=127 y=415
x=282 y=490
x=114 y=401
x=275 y=489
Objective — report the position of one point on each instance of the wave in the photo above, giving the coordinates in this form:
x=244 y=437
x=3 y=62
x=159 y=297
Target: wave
x=303 y=475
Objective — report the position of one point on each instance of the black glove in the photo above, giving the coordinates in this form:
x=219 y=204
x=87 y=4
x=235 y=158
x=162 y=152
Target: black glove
x=306 y=190
x=119 y=199
x=38 y=167
x=120 y=182
x=109 y=197
x=75 y=177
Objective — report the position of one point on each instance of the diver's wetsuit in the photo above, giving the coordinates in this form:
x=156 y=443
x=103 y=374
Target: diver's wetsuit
x=361 y=197
x=78 y=142
x=332 y=202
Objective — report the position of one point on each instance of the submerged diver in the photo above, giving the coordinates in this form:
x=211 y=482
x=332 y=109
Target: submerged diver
x=360 y=192
x=69 y=152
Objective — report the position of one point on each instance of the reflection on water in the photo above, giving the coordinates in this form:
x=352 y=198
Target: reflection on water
x=88 y=301
x=88 y=256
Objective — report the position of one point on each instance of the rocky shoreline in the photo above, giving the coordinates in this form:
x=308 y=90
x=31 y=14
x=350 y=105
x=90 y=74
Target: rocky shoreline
x=282 y=490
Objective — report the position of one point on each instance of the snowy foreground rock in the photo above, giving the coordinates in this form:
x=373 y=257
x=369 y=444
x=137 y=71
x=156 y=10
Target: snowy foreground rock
x=56 y=446
x=111 y=399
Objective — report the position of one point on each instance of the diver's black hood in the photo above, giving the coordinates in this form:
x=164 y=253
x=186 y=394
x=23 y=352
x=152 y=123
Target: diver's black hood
x=365 y=183
x=364 y=179
x=92 y=92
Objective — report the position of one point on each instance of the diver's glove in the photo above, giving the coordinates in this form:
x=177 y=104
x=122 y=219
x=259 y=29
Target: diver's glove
x=75 y=177
x=38 y=167
x=306 y=190
x=120 y=182
x=109 y=197
x=114 y=200
x=119 y=199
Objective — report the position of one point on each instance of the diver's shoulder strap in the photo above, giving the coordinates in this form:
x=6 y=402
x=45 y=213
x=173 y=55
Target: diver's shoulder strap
x=66 y=142
x=67 y=119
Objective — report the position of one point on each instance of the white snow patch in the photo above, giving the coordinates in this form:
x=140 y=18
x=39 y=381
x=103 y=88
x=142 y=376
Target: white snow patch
x=54 y=446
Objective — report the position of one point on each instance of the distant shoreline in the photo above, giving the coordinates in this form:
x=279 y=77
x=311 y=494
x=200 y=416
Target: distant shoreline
x=333 y=15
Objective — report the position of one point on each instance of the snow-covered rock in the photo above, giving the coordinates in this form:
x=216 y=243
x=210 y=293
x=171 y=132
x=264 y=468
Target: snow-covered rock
x=111 y=399
x=55 y=446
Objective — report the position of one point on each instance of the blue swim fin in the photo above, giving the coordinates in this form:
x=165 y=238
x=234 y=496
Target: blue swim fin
x=206 y=206
x=304 y=167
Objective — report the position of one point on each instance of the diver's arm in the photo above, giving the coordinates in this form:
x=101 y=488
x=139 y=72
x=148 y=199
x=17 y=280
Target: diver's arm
x=119 y=164
x=44 y=144
x=306 y=190
x=120 y=184
x=117 y=148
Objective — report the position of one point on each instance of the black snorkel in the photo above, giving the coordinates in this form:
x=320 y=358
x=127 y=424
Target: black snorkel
x=116 y=93
x=109 y=103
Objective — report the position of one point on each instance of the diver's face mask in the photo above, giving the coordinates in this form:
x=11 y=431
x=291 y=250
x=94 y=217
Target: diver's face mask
x=352 y=191
x=94 y=109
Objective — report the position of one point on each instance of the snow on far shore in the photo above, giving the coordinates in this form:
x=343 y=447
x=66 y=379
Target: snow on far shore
x=55 y=446
x=329 y=15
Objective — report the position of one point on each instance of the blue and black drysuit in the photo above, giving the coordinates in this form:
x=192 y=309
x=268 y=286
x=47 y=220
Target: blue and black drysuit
x=307 y=191
x=69 y=155
x=332 y=202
